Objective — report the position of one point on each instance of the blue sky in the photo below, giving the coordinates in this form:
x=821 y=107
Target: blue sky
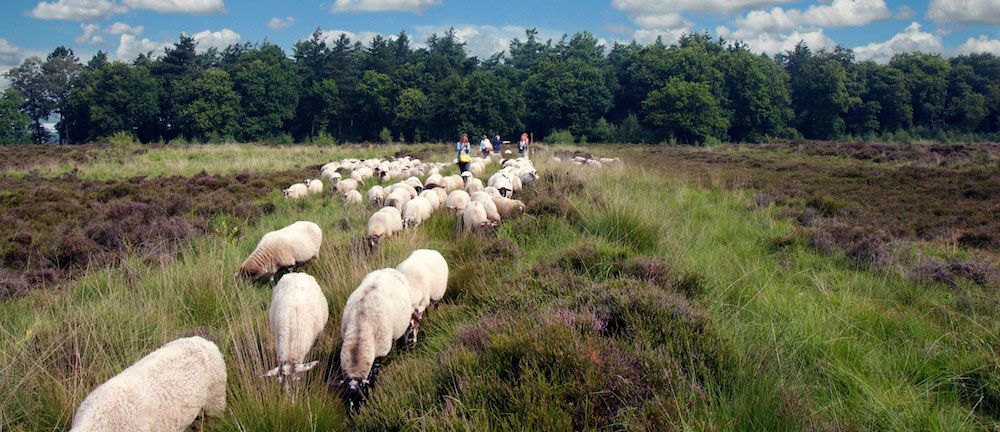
x=875 y=28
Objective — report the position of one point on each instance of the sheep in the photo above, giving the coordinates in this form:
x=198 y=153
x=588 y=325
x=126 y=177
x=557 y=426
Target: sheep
x=378 y=312
x=297 y=315
x=454 y=182
x=606 y=160
x=593 y=163
x=416 y=211
x=290 y=246
x=503 y=185
x=333 y=175
x=442 y=196
x=353 y=197
x=295 y=191
x=492 y=214
x=427 y=272
x=163 y=391
x=417 y=185
x=474 y=219
x=397 y=198
x=507 y=207
x=477 y=168
x=434 y=181
x=433 y=198
x=473 y=185
x=457 y=201
x=346 y=185
x=384 y=223
x=376 y=196
x=314 y=186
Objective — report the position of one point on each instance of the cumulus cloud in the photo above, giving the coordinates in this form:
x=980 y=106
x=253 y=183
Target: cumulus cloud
x=219 y=39
x=90 y=34
x=483 y=40
x=416 y=6
x=194 y=7
x=120 y=28
x=909 y=40
x=973 y=11
x=330 y=36
x=130 y=46
x=76 y=10
x=982 y=44
x=655 y=7
x=773 y=43
x=839 y=13
x=278 y=23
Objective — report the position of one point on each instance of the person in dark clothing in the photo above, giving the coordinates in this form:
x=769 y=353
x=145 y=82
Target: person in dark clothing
x=497 y=144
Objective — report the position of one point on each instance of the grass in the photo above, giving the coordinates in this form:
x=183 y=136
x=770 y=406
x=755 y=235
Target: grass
x=625 y=298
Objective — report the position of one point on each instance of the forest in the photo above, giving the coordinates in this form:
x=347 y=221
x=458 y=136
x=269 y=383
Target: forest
x=699 y=90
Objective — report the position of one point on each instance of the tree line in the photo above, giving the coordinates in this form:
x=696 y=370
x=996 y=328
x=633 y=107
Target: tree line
x=699 y=90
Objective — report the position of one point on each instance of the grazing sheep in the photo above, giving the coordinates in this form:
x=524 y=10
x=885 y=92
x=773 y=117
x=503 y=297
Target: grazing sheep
x=592 y=163
x=346 y=185
x=473 y=185
x=377 y=313
x=504 y=186
x=457 y=201
x=297 y=314
x=295 y=191
x=474 y=219
x=163 y=391
x=415 y=183
x=427 y=272
x=288 y=247
x=454 y=182
x=491 y=209
x=331 y=175
x=384 y=223
x=507 y=207
x=397 y=198
x=433 y=197
x=376 y=196
x=477 y=168
x=434 y=181
x=314 y=186
x=416 y=211
x=353 y=197
x=442 y=196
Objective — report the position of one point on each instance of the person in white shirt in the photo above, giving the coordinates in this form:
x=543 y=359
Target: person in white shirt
x=486 y=146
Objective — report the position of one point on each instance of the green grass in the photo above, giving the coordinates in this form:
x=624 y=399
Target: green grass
x=658 y=304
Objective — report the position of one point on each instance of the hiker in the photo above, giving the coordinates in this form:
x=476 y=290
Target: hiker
x=486 y=146
x=497 y=144
x=463 y=158
x=522 y=145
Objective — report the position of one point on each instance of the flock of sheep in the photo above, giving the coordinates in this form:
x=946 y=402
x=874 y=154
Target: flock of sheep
x=167 y=389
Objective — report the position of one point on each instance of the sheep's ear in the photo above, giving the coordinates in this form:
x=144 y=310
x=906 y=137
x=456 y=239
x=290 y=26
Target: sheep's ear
x=305 y=367
x=271 y=373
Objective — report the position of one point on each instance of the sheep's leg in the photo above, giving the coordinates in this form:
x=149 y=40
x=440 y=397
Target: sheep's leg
x=411 y=333
x=373 y=375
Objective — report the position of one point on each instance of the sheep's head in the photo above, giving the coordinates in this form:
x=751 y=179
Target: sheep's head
x=247 y=274
x=373 y=240
x=353 y=392
x=285 y=192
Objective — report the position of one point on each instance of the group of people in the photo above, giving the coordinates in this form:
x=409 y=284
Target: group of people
x=487 y=147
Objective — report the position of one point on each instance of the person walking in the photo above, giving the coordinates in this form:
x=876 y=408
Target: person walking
x=497 y=145
x=463 y=149
x=485 y=146
x=522 y=145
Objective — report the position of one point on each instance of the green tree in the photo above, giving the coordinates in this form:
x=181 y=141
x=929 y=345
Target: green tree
x=927 y=81
x=114 y=98
x=30 y=82
x=60 y=68
x=14 y=126
x=819 y=92
x=756 y=94
x=686 y=111
x=268 y=87
x=376 y=102
x=210 y=108
x=412 y=112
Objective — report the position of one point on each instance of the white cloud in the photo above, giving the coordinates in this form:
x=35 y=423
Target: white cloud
x=120 y=28
x=655 y=7
x=90 y=35
x=909 y=40
x=220 y=39
x=76 y=10
x=667 y=26
x=975 y=11
x=416 y=6
x=130 y=46
x=838 y=13
x=278 y=23
x=331 y=36
x=195 y=7
x=773 y=43
x=982 y=44
x=483 y=40
x=10 y=56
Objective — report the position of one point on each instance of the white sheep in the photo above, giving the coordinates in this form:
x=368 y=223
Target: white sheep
x=434 y=181
x=473 y=185
x=295 y=191
x=397 y=198
x=492 y=214
x=457 y=201
x=442 y=196
x=346 y=185
x=376 y=196
x=353 y=197
x=377 y=313
x=507 y=207
x=297 y=315
x=290 y=246
x=163 y=391
x=384 y=223
x=474 y=218
x=427 y=272
x=314 y=186
x=433 y=197
x=416 y=211
x=593 y=163
x=454 y=182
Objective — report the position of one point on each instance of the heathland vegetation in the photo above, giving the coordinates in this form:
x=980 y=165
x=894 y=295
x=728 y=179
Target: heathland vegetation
x=575 y=89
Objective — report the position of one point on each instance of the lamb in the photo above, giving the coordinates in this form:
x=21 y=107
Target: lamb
x=376 y=196
x=457 y=201
x=290 y=246
x=474 y=219
x=507 y=207
x=314 y=186
x=377 y=313
x=353 y=197
x=295 y=191
x=297 y=314
x=346 y=185
x=397 y=198
x=384 y=223
x=427 y=272
x=416 y=211
x=163 y=391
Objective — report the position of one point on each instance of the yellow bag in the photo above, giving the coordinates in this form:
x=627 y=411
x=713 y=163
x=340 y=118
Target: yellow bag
x=464 y=158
